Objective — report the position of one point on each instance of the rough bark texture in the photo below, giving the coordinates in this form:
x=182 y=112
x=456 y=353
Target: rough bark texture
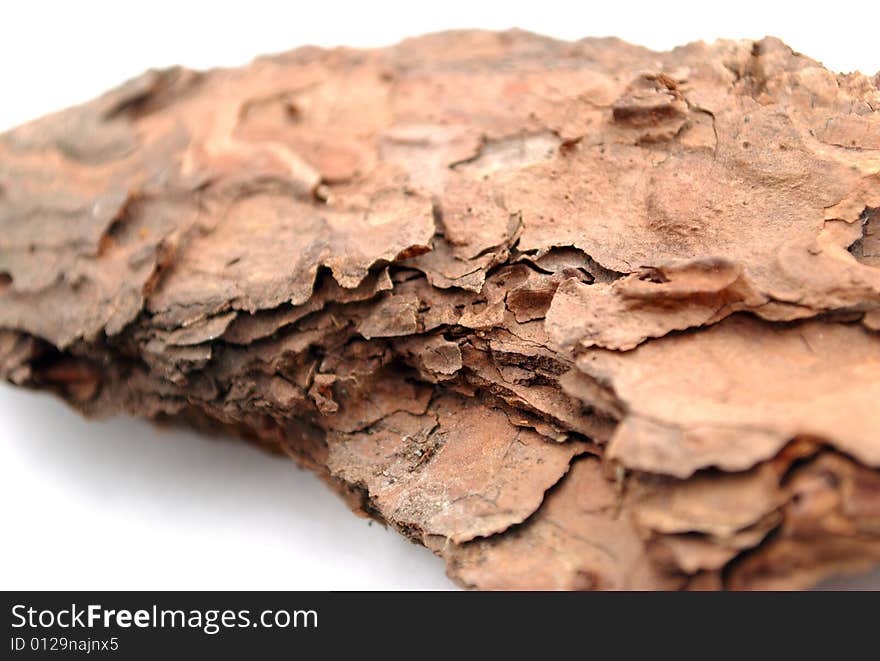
x=573 y=315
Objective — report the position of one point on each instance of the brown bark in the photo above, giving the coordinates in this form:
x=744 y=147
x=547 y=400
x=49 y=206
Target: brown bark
x=572 y=315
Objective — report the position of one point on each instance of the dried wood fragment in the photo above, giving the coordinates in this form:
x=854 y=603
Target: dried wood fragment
x=572 y=315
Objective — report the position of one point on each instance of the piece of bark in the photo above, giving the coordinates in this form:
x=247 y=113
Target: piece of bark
x=572 y=315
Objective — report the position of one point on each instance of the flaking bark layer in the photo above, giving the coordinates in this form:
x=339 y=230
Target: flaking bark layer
x=572 y=315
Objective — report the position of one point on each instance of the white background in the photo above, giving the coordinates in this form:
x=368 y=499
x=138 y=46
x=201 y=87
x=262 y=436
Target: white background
x=124 y=505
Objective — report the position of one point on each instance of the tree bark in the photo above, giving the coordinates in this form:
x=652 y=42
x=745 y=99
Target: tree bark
x=572 y=315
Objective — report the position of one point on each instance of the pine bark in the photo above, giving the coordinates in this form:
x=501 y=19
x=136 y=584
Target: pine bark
x=572 y=315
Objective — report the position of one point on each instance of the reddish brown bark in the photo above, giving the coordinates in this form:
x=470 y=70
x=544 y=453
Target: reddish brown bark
x=572 y=315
